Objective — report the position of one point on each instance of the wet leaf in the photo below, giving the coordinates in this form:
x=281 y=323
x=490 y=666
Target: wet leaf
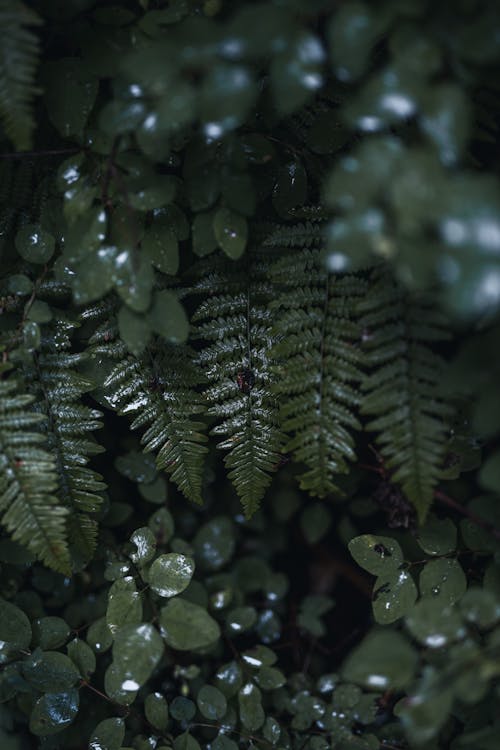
x=53 y=712
x=82 y=657
x=170 y=574
x=145 y=543
x=137 y=649
x=187 y=626
x=50 y=671
x=211 y=703
x=99 y=636
x=124 y=604
x=204 y=239
x=480 y=607
x=35 y=244
x=443 y=579
x=15 y=631
x=252 y=714
x=186 y=741
x=182 y=709
x=297 y=73
x=394 y=595
x=50 y=632
x=108 y=735
x=156 y=711
x=376 y=554
x=231 y=232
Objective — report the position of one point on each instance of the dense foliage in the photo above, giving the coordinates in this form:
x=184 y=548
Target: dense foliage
x=249 y=413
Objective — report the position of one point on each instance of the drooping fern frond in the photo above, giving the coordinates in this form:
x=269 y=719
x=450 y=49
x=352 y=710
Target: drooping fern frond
x=158 y=391
x=319 y=346
x=402 y=391
x=58 y=388
x=235 y=322
x=19 y=52
x=28 y=480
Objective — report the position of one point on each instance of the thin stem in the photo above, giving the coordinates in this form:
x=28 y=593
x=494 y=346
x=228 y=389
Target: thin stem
x=451 y=503
x=35 y=154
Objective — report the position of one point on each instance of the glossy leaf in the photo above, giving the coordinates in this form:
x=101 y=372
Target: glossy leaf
x=170 y=574
x=187 y=626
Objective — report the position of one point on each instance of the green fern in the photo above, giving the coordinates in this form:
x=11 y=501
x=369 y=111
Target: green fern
x=19 y=52
x=158 y=390
x=236 y=321
x=402 y=392
x=307 y=234
x=319 y=346
x=29 y=507
x=58 y=387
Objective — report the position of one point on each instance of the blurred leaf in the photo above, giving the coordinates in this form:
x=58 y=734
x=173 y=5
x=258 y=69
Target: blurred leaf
x=187 y=626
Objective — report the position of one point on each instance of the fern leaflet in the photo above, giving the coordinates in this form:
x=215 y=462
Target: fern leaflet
x=402 y=392
x=319 y=347
x=235 y=321
x=158 y=390
x=28 y=480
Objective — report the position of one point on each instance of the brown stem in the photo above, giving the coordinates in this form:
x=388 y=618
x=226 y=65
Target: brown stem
x=446 y=500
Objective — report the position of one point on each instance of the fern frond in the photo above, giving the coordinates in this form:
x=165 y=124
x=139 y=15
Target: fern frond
x=235 y=321
x=28 y=480
x=296 y=235
x=19 y=53
x=158 y=391
x=58 y=388
x=318 y=383
x=402 y=391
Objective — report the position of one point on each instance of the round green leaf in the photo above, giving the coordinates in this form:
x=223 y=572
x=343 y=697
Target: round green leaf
x=124 y=604
x=211 y=702
x=394 y=594
x=252 y=714
x=231 y=232
x=229 y=678
x=50 y=632
x=376 y=554
x=108 y=735
x=145 y=542
x=50 y=671
x=82 y=657
x=182 y=709
x=187 y=626
x=15 y=631
x=443 y=579
x=383 y=660
x=170 y=574
x=53 y=712
x=240 y=619
x=136 y=652
x=34 y=244
x=99 y=636
x=270 y=678
x=156 y=710
x=186 y=742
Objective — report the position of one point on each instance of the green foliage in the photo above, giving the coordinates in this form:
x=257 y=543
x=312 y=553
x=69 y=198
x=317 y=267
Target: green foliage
x=19 y=52
x=249 y=258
